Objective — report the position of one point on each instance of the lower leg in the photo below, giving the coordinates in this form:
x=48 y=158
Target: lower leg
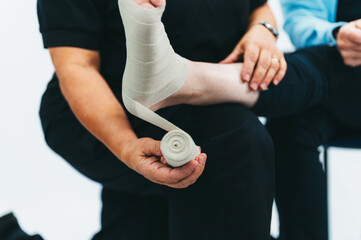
x=305 y=85
x=300 y=181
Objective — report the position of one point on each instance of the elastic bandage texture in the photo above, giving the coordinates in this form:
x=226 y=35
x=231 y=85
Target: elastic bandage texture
x=153 y=72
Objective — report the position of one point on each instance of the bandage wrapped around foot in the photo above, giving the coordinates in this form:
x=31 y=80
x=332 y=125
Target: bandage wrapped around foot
x=154 y=72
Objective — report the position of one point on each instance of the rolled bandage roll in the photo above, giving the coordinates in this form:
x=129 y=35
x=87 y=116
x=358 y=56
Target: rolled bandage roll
x=178 y=148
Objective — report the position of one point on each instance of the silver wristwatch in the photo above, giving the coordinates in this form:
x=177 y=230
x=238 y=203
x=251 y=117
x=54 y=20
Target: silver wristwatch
x=270 y=28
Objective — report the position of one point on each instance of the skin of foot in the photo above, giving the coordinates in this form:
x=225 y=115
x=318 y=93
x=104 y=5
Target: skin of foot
x=207 y=83
x=210 y=83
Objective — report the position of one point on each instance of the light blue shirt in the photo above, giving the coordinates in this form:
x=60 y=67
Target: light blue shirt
x=310 y=22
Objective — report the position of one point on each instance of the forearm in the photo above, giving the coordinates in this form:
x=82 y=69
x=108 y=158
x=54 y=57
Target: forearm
x=95 y=106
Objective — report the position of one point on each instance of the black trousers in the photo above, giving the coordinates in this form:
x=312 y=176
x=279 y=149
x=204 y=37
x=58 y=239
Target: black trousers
x=301 y=193
x=231 y=200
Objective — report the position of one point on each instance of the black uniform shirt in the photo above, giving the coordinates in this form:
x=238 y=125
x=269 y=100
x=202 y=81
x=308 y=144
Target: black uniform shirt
x=203 y=30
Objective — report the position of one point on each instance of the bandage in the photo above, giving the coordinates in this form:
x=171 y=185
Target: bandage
x=154 y=72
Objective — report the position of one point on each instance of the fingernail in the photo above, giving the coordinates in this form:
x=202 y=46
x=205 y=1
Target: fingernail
x=247 y=77
x=201 y=161
x=276 y=82
x=254 y=86
x=264 y=86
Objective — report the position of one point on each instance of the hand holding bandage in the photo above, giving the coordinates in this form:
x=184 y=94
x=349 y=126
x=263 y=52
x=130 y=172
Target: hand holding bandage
x=153 y=73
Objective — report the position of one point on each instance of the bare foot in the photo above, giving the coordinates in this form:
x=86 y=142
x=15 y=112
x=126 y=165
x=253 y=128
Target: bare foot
x=209 y=83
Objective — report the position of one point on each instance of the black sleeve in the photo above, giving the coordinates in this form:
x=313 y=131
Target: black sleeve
x=256 y=4
x=73 y=23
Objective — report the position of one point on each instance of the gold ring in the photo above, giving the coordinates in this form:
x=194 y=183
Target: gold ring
x=275 y=59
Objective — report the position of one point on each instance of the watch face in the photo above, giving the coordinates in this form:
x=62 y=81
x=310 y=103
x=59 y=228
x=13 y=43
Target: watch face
x=270 y=27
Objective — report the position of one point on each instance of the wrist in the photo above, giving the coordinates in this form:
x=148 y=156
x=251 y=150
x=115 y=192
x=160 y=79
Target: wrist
x=335 y=32
x=117 y=135
x=268 y=27
x=122 y=145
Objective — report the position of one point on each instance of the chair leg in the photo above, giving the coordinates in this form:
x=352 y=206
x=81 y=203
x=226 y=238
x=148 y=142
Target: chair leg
x=325 y=162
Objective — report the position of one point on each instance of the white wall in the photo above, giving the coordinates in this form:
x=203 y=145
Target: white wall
x=45 y=193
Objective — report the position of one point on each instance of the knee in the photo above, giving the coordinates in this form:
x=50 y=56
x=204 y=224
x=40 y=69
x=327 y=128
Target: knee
x=244 y=147
x=294 y=132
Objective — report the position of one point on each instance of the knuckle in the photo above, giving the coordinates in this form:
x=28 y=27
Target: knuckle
x=253 y=57
x=264 y=63
x=275 y=65
x=257 y=78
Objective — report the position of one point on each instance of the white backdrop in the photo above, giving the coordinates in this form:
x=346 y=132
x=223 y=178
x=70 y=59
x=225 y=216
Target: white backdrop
x=45 y=193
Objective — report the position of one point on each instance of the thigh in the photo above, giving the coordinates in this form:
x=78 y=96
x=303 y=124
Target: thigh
x=233 y=198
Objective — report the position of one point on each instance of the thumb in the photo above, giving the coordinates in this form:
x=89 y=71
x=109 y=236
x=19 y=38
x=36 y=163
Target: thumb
x=152 y=148
x=233 y=57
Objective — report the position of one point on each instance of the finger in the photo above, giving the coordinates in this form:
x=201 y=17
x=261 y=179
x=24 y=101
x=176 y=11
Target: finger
x=151 y=147
x=169 y=175
x=263 y=64
x=233 y=57
x=250 y=59
x=272 y=71
x=349 y=53
x=163 y=160
x=281 y=72
x=348 y=45
x=352 y=62
x=354 y=36
x=191 y=179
